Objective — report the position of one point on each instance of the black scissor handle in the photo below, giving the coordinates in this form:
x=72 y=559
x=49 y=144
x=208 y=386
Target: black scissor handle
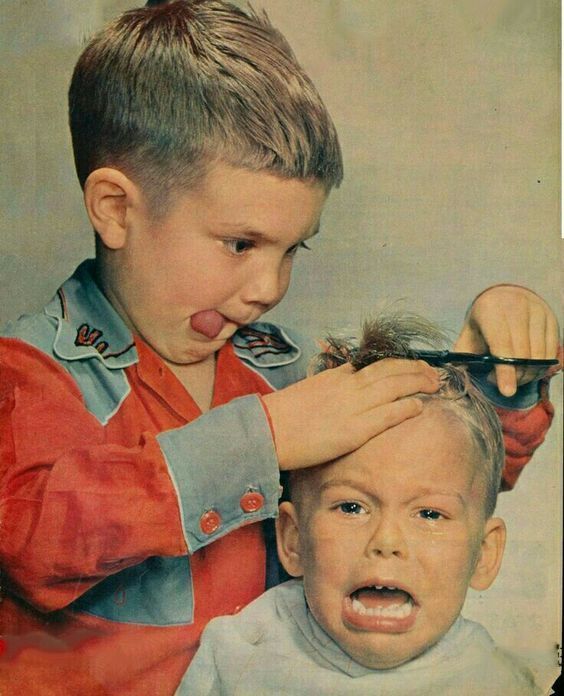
x=482 y=362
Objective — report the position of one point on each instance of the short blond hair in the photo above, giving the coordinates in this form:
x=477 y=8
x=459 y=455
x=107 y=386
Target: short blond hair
x=399 y=336
x=166 y=90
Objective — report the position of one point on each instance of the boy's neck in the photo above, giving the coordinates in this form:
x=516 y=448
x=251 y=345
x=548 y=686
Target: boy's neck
x=198 y=379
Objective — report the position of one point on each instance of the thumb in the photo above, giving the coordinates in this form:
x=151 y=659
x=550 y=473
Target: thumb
x=506 y=379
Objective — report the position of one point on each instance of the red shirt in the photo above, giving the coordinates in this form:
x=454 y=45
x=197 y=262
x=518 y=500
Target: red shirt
x=66 y=488
x=111 y=566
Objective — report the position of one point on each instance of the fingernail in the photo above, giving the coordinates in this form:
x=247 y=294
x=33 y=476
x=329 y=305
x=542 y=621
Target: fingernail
x=507 y=389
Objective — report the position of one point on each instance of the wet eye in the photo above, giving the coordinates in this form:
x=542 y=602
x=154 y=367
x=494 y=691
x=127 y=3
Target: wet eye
x=430 y=515
x=352 y=508
x=238 y=246
x=292 y=251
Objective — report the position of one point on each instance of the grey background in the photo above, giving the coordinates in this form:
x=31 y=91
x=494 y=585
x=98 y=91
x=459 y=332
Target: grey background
x=448 y=114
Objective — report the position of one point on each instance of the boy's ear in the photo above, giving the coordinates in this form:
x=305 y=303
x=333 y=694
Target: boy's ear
x=288 y=539
x=491 y=553
x=108 y=196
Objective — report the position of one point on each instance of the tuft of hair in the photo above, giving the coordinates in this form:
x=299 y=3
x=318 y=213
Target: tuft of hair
x=166 y=90
x=390 y=335
x=399 y=336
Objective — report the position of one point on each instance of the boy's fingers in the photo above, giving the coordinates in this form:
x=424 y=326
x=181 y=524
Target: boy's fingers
x=506 y=379
x=390 y=367
x=507 y=340
x=537 y=335
x=552 y=338
x=391 y=388
x=470 y=341
x=392 y=414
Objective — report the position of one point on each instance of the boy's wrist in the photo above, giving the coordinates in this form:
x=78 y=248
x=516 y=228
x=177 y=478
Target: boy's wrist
x=231 y=444
x=526 y=396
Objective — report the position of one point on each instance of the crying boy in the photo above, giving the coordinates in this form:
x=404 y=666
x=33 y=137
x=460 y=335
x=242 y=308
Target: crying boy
x=385 y=542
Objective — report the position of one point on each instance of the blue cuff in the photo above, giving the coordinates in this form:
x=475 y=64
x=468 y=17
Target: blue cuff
x=526 y=396
x=225 y=470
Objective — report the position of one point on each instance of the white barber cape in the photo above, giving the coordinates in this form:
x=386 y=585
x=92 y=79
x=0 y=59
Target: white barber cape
x=274 y=647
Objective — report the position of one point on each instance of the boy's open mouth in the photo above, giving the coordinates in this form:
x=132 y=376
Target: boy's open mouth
x=381 y=608
x=379 y=600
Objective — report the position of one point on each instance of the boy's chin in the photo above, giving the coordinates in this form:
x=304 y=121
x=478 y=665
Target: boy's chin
x=193 y=353
x=385 y=657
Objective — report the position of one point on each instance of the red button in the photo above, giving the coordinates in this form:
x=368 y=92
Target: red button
x=251 y=501
x=210 y=522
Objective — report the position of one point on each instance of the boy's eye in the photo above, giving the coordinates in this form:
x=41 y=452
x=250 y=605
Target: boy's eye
x=352 y=508
x=429 y=514
x=293 y=249
x=238 y=246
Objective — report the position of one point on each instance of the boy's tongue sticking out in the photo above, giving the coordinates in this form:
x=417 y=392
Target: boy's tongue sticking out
x=208 y=322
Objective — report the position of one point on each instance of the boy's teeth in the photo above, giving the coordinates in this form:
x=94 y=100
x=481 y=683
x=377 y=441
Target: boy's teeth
x=395 y=611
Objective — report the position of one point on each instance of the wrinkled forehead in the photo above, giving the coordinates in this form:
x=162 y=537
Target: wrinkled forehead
x=434 y=449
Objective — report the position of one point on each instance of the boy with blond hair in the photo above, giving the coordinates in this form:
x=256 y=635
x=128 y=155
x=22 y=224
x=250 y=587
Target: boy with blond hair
x=145 y=414
x=386 y=541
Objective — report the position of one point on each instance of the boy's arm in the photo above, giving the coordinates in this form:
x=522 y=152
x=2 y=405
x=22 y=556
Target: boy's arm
x=73 y=508
x=523 y=432
x=512 y=321
x=76 y=509
x=525 y=419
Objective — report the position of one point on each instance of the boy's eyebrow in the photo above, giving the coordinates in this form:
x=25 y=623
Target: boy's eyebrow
x=251 y=233
x=333 y=483
x=431 y=491
x=422 y=492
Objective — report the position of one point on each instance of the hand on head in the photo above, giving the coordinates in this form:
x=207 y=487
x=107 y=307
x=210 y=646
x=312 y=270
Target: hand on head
x=337 y=411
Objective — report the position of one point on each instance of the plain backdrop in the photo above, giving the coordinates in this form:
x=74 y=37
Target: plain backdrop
x=448 y=114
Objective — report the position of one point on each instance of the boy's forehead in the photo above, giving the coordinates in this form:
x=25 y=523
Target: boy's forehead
x=433 y=450
x=249 y=201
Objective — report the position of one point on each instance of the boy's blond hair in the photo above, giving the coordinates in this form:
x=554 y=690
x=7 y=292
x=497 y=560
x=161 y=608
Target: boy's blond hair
x=399 y=336
x=166 y=90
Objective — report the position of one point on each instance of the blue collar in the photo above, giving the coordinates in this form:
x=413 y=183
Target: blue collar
x=88 y=325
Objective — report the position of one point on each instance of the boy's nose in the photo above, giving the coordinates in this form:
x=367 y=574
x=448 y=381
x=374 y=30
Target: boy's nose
x=388 y=538
x=264 y=287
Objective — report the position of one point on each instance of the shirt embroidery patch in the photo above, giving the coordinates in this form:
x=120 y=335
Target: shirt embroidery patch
x=265 y=345
x=85 y=336
x=261 y=343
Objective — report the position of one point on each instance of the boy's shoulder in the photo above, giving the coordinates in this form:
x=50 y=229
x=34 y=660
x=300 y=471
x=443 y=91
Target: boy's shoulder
x=79 y=322
x=257 y=648
x=264 y=629
x=260 y=619
x=78 y=334
x=275 y=641
x=467 y=661
x=279 y=354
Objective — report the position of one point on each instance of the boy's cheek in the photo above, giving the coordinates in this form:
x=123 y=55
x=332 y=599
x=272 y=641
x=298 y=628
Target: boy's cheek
x=331 y=554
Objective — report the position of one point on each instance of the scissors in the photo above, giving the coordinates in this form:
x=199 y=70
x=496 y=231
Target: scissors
x=480 y=363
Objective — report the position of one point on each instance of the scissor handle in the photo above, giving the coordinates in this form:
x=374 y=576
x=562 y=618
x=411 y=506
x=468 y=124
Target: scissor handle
x=479 y=361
